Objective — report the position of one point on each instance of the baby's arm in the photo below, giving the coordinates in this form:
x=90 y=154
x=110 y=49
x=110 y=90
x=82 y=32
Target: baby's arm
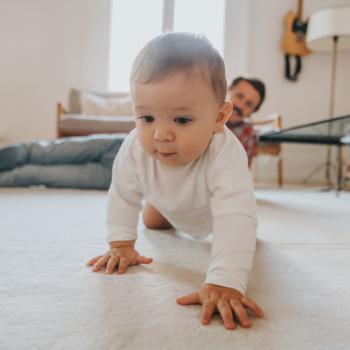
x=123 y=208
x=225 y=285
x=234 y=238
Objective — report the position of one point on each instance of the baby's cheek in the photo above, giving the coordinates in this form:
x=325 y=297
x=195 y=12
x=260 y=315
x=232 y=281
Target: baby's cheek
x=194 y=150
x=146 y=142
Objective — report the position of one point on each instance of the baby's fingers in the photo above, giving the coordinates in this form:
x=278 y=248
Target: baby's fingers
x=112 y=263
x=240 y=313
x=100 y=263
x=251 y=305
x=226 y=313
x=93 y=260
x=123 y=264
x=208 y=310
x=189 y=299
x=143 y=260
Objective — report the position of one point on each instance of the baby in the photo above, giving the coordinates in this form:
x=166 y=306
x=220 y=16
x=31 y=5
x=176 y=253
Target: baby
x=189 y=168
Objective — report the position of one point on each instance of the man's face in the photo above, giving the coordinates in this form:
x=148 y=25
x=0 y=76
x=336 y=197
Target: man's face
x=177 y=116
x=244 y=100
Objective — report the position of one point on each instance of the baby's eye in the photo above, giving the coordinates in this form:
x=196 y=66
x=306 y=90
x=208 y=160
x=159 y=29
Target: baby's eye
x=147 y=118
x=182 y=120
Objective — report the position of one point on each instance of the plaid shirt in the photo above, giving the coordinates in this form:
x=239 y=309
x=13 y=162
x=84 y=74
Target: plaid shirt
x=246 y=134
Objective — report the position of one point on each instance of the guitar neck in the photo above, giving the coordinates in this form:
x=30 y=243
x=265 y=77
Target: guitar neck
x=300 y=9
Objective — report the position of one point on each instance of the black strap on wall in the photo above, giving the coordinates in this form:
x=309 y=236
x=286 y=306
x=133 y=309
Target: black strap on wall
x=288 y=74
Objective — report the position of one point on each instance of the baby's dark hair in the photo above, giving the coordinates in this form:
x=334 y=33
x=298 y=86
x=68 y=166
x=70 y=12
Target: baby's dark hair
x=171 y=53
x=257 y=84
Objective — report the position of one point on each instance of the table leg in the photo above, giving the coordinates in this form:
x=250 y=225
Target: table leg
x=340 y=166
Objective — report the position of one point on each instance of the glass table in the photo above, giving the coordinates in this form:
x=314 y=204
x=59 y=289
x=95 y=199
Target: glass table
x=331 y=132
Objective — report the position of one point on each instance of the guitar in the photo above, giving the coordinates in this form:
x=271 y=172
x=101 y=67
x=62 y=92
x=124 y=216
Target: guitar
x=293 y=41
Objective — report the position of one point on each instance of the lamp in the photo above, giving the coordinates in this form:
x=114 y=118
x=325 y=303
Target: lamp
x=329 y=30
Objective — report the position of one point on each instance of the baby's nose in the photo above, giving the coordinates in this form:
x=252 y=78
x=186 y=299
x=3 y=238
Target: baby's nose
x=163 y=133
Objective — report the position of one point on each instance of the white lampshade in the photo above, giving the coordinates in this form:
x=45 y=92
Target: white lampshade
x=325 y=24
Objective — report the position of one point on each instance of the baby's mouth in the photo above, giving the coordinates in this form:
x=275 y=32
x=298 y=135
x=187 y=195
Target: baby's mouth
x=166 y=154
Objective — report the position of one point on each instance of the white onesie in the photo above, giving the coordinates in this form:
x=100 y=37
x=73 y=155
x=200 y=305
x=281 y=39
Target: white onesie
x=212 y=194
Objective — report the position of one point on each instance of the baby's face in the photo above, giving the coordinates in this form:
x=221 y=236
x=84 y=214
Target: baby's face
x=177 y=116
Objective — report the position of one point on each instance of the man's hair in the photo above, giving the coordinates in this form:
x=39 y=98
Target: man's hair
x=171 y=53
x=257 y=84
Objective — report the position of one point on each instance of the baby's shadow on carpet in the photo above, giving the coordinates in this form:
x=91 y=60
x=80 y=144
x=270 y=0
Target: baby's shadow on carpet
x=179 y=275
x=178 y=258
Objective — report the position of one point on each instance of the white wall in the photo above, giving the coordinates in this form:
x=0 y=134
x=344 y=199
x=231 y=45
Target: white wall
x=258 y=48
x=47 y=47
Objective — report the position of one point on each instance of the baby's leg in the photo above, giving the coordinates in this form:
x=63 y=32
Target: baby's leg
x=153 y=219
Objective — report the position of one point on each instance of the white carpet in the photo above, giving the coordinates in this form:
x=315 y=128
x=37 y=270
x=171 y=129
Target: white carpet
x=50 y=300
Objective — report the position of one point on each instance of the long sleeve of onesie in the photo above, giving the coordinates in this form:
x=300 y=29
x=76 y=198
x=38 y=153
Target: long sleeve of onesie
x=124 y=196
x=234 y=220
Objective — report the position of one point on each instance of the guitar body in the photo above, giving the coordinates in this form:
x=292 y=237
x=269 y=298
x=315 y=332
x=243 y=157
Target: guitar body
x=293 y=41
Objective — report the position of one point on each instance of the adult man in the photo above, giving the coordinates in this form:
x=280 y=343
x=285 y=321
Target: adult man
x=246 y=96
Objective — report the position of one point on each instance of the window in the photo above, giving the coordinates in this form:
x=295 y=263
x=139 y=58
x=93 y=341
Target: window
x=201 y=16
x=134 y=22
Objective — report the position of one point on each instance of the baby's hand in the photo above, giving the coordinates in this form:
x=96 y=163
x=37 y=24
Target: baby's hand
x=227 y=301
x=121 y=257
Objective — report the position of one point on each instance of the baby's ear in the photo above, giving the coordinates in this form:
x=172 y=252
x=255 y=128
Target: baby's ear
x=222 y=116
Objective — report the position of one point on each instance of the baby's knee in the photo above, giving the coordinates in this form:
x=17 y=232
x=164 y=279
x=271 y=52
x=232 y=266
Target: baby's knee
x=153 y=219
x=155 y=224
x=152 y=225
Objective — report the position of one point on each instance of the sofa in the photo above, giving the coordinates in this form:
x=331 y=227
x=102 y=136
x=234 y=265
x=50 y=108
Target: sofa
x=90 y=112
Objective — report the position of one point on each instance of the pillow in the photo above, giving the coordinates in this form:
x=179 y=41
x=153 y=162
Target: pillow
x=113 y=104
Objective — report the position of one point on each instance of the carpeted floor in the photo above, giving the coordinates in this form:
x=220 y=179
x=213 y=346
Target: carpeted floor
x=49 y=299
